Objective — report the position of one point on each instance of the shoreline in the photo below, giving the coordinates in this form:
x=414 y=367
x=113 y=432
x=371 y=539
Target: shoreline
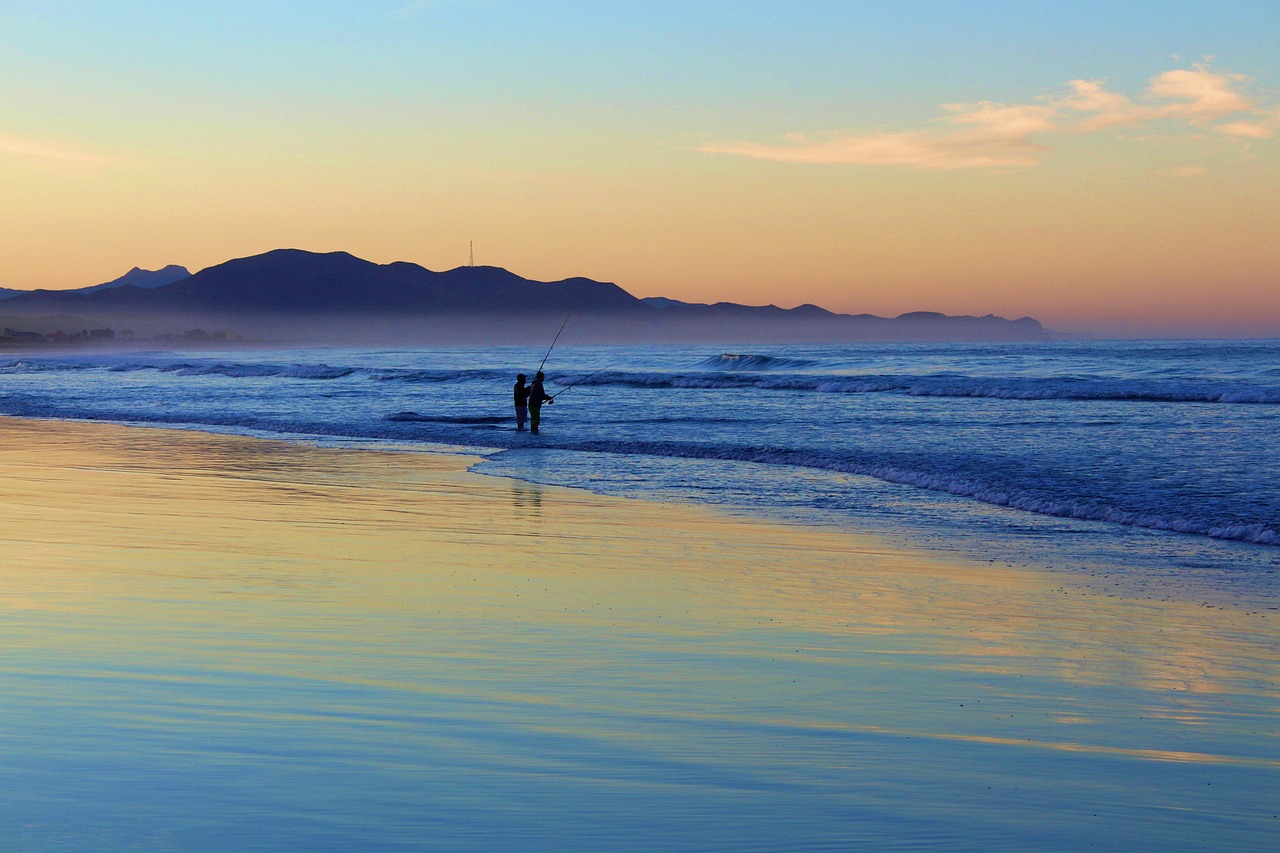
x=899 y=540
x=339 y=629
x=940 y=499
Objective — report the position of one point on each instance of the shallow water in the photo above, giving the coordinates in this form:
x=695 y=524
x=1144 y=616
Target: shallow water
x=214 y=644
x=1145 y=464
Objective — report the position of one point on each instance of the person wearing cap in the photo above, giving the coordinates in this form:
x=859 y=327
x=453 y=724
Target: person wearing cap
x=522 y=402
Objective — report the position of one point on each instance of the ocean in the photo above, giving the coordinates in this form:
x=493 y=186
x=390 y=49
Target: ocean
x=1149 y=465
x=213 y=644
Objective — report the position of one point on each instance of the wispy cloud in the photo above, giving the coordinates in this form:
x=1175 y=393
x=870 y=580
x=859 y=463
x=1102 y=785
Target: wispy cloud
x=41 y=150
x=989 y=134
x=1200 y=94
x=1248 y=129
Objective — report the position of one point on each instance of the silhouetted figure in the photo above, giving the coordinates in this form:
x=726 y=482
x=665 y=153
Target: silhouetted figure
x=522 y=401
x=537 y=396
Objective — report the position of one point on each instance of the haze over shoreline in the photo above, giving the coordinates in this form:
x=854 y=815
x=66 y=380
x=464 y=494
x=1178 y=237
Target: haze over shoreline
x=298 y=296
x=47 y=310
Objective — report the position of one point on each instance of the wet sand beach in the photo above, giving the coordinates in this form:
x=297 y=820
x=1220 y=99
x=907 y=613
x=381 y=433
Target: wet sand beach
x=216 y=642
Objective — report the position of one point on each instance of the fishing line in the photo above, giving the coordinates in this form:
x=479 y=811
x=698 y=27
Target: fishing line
x=579 y=382
x=553 y=343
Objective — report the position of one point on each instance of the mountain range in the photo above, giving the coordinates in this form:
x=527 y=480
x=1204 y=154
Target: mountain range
x=290 y=294
x=145 y=279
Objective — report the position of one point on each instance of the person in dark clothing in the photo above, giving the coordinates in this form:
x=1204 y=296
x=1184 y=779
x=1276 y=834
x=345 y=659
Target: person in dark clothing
x=537 y=396
x=522 y=401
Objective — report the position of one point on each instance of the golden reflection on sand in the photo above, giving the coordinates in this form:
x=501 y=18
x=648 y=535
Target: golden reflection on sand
x=147 y=531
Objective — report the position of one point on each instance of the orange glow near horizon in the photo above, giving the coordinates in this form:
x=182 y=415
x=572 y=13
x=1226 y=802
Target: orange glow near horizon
x=1139 y=200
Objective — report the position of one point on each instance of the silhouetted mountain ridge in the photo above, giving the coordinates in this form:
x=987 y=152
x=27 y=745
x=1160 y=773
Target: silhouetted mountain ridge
x=293 y=284
x=144 y=279
x=298 y=282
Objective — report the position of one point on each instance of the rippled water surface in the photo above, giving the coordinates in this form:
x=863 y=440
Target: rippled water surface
x=1148 y=458
x=208 y=643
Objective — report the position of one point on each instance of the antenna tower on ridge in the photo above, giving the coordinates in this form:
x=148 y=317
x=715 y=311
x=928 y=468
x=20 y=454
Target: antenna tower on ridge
x=472 y=262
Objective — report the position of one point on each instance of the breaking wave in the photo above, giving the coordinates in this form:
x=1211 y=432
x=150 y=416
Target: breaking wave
x=956 y=483
x=1013 y=388
x=1180 y=469
x=735 y=361
x=735 y=371
x=233 y=370
x=471 y=420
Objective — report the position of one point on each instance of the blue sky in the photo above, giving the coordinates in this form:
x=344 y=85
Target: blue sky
x=676 y=148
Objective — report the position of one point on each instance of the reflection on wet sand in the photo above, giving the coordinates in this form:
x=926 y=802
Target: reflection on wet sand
x=527 y=497
x=371 y=640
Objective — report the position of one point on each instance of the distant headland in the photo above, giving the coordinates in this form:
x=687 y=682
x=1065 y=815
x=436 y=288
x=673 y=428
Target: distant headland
x=291 y=296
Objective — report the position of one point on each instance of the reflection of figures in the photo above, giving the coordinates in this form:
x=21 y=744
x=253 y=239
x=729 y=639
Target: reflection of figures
x=527 y=497
x=537 y=396
x=522 y=402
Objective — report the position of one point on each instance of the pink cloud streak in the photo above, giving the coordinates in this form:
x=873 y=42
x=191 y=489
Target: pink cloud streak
x=989 y=134
x=45 y=151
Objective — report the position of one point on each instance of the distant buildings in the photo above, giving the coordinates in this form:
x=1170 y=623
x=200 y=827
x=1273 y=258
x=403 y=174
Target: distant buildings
x=23 y=339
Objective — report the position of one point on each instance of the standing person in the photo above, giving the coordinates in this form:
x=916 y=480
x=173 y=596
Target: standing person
x=537 y=396
x=522 y=402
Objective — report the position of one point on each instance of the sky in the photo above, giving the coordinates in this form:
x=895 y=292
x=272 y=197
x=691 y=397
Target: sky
x=1105 y=167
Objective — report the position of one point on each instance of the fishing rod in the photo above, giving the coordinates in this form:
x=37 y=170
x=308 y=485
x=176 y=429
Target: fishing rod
x=579 y=382
x=553 y=343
